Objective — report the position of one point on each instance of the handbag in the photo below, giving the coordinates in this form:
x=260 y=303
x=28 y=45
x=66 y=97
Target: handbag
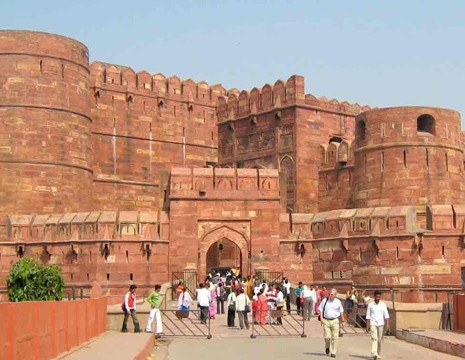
x=182 y=314
x=302 y=301
x=247 y=308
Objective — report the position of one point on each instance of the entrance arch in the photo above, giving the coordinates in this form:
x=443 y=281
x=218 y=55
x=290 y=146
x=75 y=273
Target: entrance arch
x=226 y=235
x=224 y=254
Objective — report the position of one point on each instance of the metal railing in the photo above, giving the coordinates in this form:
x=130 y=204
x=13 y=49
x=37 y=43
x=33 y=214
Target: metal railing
x=188 y=278
x=269 y=276
x=277 y=323
x=185 y=323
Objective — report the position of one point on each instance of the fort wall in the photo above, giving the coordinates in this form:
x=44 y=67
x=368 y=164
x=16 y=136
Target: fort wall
x=143 y=125
x=115 y=249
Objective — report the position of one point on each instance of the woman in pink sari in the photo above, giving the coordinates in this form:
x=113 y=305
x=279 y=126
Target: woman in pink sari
x=262 y=309
x=213 y=304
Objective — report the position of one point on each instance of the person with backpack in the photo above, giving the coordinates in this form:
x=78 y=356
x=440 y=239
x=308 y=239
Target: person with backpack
x=220 y=297
x=129 y=308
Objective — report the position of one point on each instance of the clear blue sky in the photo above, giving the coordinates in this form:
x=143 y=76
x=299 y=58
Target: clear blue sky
x=380 y=53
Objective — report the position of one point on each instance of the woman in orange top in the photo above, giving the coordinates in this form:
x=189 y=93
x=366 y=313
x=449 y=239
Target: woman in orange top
x=262 y=308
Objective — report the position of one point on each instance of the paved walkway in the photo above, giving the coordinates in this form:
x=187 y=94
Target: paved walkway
x=113 y=345
x=350 y=347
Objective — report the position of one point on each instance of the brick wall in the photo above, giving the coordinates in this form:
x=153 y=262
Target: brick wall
x=39 y=330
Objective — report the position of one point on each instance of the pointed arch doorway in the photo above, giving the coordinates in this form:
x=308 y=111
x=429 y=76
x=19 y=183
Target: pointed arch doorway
x=223 y=255
x=234 y=244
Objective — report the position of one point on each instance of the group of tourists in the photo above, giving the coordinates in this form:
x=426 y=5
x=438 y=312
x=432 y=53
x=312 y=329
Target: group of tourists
x=266 y=303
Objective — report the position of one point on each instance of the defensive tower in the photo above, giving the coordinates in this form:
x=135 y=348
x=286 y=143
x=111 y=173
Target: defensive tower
x=45 y=124
x=408 y=156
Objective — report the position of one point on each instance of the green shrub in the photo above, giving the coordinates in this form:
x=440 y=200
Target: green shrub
x=30 y=281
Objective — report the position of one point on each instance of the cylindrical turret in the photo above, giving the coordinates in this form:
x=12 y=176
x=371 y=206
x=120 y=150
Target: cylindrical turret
x=408 y=156
x=45 y=124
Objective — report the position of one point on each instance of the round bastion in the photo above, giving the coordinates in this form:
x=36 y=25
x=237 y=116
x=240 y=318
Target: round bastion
x=408 y=156
x=45 y=123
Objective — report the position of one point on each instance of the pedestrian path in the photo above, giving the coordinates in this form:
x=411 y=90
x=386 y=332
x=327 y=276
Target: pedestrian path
x=113 y=345
x=439 y=340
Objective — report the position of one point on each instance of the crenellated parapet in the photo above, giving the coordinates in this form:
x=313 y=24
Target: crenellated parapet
x=224 y=183
x=334 y=105
x=126 y=80
x=375 y=222
x=237 y=104
x=86 y=226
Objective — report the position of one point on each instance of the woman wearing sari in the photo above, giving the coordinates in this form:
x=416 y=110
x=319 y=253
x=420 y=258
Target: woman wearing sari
x=213 y=304
x=262 y=308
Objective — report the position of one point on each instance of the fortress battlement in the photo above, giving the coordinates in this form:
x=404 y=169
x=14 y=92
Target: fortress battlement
x=124 y=79
x=380 y=222
x=238 y=104
x=84 y=226
x=224 y=183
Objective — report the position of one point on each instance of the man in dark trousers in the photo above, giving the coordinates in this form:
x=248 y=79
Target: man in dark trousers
x=129 y=308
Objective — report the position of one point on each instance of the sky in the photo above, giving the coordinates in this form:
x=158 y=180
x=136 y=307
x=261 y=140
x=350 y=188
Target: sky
x=379 y=53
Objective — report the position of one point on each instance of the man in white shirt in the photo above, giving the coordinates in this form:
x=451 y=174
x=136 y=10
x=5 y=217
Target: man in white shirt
x=377 y=319
x=203 y=299
x=330 y=310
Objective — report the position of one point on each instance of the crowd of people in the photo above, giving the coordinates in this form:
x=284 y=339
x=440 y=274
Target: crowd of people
x=238 y=297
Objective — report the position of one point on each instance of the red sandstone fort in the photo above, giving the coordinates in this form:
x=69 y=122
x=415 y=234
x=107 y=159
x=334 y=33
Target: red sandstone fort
x=123 y=177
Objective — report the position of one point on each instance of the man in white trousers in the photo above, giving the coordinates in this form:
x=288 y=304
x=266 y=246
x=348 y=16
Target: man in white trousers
x=154 y=301
x=377 y=320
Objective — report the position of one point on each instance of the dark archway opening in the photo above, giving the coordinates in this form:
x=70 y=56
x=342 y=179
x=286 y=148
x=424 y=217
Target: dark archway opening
x=224 y=255
x=426 y=124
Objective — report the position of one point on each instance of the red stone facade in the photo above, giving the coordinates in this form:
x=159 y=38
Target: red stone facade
x=125 y=177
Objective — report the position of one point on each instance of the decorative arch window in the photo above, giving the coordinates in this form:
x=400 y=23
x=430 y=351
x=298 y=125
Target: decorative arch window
x=426 y=124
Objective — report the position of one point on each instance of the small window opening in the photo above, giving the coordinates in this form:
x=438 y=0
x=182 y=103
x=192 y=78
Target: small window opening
x=41 y=66
x=131 y=277
x=71 y=277
x=443 y=251
x=405 y=159
x=427 y=158
x=62 y=71
x=426 y=124
x=397 y=253
x=361 y=130
x=108 y=276
x=447 y=162
x=387 y=224
x=87 y=276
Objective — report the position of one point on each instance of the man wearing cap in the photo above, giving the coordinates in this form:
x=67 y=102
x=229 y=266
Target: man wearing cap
x=330 y=311
x=129 y=308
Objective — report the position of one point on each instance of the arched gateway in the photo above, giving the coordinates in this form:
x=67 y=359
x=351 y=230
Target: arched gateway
x=223 y=247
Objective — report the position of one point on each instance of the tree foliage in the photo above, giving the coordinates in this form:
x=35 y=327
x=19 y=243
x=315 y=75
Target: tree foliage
x=30 y=281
